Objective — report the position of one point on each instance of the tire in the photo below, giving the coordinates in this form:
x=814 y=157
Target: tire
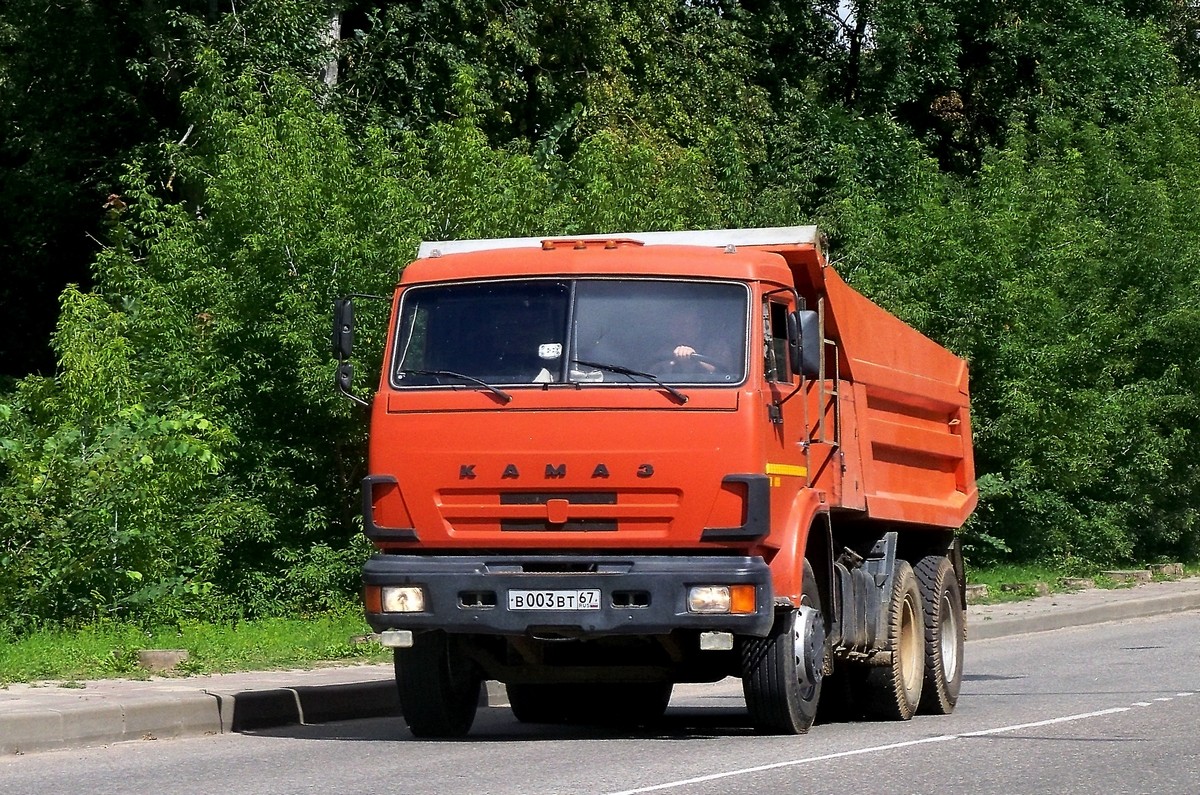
x=599 y=703
x=782 y=673
x=945 y=631
x=438 y=687
x=893 y=691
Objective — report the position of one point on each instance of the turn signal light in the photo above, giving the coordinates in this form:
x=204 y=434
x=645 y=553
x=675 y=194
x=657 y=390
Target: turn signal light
x=387 y=505
x=742 y=597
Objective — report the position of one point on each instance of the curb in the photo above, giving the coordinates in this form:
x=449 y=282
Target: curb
x=204 y=712
x=1083 y=616
x=134 y=718
x=264 y=709
x=190 y=714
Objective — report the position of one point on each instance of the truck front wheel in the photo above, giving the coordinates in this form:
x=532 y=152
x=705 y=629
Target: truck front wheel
x=781 y=674
x=438 y=686
x=893 y=690
x=945 y=630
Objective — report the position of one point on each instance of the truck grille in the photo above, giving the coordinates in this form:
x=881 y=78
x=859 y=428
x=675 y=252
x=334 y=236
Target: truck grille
x=591 y=525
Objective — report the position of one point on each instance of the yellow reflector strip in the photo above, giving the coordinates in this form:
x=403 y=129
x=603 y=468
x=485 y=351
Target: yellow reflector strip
x=787 y=469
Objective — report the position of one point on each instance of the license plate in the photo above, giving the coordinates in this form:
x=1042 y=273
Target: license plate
x=583 y=599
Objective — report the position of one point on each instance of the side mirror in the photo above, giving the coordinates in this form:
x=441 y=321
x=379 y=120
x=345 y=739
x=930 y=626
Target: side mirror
x=343 y=328
x=343 y=342
x=345 y=377
x=804 y=342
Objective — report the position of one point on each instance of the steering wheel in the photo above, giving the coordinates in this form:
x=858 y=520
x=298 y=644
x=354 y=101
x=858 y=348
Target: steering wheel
x=690 y=364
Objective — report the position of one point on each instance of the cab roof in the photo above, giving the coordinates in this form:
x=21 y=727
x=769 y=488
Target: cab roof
x=709 y=238
x=742 y=254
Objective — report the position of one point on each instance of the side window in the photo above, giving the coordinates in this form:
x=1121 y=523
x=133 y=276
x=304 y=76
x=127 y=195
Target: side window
x=775 y=334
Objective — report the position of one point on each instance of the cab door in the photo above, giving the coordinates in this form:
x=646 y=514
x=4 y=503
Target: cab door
x=787 y=465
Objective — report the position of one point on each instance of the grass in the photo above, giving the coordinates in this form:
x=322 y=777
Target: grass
x=1014 y=583
x=111 y=650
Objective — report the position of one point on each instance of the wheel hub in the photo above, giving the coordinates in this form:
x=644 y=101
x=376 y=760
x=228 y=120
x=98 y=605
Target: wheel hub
x=808 y=637
x=949 y=637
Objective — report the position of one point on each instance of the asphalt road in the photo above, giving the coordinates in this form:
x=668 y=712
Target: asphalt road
x=1111 y=708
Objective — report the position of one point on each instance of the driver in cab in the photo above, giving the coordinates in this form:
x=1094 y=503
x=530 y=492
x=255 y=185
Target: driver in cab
x=694 y=349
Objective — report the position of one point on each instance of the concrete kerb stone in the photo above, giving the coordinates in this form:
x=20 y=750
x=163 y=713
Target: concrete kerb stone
x=249 y=710
x=258 y=709
x=31 y=730
x=181 y=715
x=1092 y=607
x=323 y=704
x=105 y=721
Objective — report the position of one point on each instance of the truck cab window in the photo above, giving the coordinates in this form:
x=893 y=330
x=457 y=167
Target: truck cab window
x=585 y=331
x=499 y=332
x=680 y=332
x=777 y=367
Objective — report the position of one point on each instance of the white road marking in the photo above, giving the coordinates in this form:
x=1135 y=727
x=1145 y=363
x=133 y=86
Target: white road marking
x=1142 y=704
x=1185 y=695
x=1050 y=722
x=870 y=750
x=777 y=765
x=1164 y=699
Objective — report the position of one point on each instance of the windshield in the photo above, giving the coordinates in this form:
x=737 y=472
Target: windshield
x=595 y=331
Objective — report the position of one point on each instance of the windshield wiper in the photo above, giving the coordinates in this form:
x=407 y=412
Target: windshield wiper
x=500 y=393
x=618 y=369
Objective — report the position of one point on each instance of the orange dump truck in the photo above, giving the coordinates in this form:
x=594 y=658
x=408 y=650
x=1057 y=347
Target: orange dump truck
x=599 y=466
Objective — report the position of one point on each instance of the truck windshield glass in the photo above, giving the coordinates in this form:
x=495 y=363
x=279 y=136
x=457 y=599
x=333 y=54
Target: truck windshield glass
x=591 y=331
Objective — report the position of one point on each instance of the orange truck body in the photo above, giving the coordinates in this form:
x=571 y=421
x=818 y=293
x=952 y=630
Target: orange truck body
x=638 y=488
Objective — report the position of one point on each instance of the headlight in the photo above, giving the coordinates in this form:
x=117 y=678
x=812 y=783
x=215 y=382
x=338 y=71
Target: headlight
x=721 y=599
x=403 y=599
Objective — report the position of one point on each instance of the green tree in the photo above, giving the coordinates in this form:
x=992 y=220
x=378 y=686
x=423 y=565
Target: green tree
x=1064 y=277
x=86 y=87
x=1014 y=180
x=109 y=505
x=958 y=74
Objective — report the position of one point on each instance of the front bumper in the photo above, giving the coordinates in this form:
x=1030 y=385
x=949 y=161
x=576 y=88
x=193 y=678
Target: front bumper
x=639 y=595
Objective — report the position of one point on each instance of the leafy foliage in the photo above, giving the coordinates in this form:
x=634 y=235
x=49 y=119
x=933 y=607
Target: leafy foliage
x=107 y=502
x=1057 y=275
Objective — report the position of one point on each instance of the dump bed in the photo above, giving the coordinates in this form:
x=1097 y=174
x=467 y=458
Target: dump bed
x=903 y=414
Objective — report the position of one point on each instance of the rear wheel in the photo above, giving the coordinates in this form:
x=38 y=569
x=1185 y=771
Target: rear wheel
x=945 y=631
x=438 y=687
x=781 y=674
x=893 y=691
